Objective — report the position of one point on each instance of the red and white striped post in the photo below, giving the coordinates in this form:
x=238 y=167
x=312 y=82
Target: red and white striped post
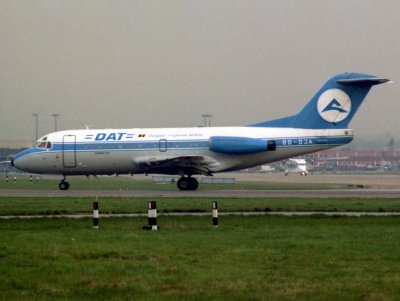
x=95 y=215
x=215 y=213
x=152 y=216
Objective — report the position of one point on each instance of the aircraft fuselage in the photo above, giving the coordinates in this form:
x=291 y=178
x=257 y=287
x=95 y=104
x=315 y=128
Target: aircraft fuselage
x=125 y=151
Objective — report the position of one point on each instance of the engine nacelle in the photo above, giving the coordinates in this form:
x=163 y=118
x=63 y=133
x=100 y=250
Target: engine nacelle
x=240 y=145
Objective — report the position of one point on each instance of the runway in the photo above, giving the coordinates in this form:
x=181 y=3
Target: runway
x=331 y=193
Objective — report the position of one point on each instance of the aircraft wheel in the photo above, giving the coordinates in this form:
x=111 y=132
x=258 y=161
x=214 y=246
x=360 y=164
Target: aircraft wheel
x=193 y=184
x=186 y=183
x=183 y=183
x=63 y=185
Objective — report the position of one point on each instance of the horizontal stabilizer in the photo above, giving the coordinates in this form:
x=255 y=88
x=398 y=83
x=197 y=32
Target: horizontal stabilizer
x=367 y=81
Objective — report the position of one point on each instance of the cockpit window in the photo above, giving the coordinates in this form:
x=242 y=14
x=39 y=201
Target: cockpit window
x=44 y=144
x=41 y=144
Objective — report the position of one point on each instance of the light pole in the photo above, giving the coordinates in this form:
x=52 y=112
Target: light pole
x=36 y=115
x=55 y=121
x=207 y=116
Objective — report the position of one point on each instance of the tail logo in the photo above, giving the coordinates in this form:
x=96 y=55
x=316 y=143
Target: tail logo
x=334 y=105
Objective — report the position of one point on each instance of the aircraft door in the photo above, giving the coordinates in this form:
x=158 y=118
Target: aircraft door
x=163 y=145
x=69 y=151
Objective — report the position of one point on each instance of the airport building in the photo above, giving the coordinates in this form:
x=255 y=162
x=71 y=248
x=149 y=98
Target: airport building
x=355 y=160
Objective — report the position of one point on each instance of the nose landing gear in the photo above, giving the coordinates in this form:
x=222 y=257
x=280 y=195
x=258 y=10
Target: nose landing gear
x=187 y=183
x=63 y=184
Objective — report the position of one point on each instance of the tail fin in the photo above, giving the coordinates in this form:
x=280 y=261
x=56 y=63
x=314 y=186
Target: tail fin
x=334 y=105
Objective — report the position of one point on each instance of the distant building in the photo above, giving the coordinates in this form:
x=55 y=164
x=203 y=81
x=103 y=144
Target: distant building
x=15 y=144
x=8 y=149
x=352 y=160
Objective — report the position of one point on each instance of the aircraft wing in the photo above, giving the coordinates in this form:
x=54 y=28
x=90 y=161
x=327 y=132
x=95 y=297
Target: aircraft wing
x=179 y=165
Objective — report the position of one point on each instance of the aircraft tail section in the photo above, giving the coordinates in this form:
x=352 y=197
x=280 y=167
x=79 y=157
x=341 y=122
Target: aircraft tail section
x=333 y=106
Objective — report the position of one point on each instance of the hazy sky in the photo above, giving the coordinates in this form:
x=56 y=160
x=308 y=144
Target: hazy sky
x=116 y=64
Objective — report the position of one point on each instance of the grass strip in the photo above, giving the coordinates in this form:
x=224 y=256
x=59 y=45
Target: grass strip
x=70 y=205
x=246 y=258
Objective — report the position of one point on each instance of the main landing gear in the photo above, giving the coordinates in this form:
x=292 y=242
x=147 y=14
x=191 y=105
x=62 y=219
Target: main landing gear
x=187 y=183
x=63 y=184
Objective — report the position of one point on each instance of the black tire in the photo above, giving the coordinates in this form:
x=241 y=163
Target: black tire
x=193 y=184
x=183 y=183
x=186 y=183
x=63 y=185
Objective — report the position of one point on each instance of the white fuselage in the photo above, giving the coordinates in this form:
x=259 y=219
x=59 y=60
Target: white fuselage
x=125 y=151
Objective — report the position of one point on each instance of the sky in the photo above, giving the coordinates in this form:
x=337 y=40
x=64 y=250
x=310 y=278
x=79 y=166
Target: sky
x=130 y=64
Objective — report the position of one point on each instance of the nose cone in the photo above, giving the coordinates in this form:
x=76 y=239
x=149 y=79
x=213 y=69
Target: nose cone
x=16 y=162
x=21 y=160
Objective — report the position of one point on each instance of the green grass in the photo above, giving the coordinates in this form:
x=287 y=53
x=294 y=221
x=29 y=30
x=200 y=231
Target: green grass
x=131 y=183
x=68 y=205
x=246 y=258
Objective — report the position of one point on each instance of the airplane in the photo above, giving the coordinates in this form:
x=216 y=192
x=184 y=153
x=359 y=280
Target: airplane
x=321 y=124
x=294 y=165
x=291 y=165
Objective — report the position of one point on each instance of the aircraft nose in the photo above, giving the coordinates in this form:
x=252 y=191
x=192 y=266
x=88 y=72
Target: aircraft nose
x=19 y=160
x=14 y=163
x=19 y=163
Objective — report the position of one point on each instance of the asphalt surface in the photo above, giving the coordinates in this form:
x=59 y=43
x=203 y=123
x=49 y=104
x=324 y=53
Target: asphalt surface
x=334 y=193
